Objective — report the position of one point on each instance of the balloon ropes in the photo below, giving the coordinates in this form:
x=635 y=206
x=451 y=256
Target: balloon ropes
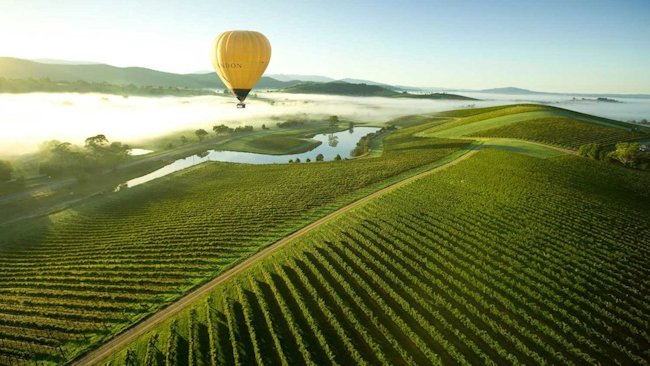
x=240 y=58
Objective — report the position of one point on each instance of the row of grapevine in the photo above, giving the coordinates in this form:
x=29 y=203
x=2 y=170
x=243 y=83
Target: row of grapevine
x=565 y=132
x=70 y=284
x=430 y=275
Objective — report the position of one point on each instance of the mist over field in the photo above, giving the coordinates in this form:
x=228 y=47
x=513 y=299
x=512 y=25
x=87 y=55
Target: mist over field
x=73 y=117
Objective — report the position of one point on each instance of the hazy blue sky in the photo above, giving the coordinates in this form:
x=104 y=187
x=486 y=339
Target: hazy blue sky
x=581 y=45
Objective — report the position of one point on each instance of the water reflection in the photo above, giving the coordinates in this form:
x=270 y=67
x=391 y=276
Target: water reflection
x=344 y=143
x=332 y=140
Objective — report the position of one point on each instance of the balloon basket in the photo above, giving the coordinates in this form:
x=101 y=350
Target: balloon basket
x=241 y=105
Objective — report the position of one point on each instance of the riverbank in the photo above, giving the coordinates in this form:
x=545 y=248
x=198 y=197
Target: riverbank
x=46 y=195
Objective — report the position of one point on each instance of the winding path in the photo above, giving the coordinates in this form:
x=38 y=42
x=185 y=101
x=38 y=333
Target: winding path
x=129 y=335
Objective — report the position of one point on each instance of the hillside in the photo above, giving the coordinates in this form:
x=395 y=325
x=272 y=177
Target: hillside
x=50 y=86
x=501 y=259
x=363 y=90
x=539 y=123
x=89 y=272
x=13 y=68
x=509 y=90
x=341 y=88
x=521 y=91
x=303 y=78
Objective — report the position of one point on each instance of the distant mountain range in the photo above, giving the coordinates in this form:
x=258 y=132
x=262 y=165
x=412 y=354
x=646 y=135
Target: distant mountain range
x=63 y=62
x=73 y=71
x=14 y=68
x=294 y=77
x=520 y=91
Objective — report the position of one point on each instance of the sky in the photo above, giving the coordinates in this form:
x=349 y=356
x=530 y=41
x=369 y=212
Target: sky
x=549 y=45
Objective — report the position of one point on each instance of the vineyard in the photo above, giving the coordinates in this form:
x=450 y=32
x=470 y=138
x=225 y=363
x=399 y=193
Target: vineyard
x=73 y=279
x=565 y=132
x=538 y=123
x=501 y=259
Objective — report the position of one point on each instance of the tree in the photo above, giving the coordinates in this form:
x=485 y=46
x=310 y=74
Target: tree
x=351 y=126
x=290 y=160
x=5 y=170
x=332 y=140
x=627 y=153
x=297 y=160
x=104 y=155
x=593 y=151
x=243 y=129
x=96 y=142
x=264 y=127
x=201 y=134
x=115 y=153
x=338 y=157
x=308 y=160
x=222 y=130
x=320 y=157
x=333 y=120
x=183 y=140
x=64 y=158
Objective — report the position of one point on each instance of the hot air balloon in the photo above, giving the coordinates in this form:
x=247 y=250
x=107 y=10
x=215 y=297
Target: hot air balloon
x=240 y=58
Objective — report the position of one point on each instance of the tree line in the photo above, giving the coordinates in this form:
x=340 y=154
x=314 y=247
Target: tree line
x=98 y=154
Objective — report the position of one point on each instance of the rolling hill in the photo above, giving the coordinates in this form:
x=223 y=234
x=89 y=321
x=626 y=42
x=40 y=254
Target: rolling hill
x=14 y=68
x=521 y=91
x=503 y=257
x=363 y=90
x=302 y=78
x=499 y=259
x=73 y=71
x=539 y=123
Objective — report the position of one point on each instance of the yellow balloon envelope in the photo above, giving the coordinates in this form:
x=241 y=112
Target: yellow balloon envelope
x=240 y=58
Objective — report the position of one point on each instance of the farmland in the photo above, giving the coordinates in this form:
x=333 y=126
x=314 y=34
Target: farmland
x=501 y=259
x=519 y=254
x=72 y=279
x=549 y=125
x=565 y=132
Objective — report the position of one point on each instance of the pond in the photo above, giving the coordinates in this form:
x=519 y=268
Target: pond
x=339 y=143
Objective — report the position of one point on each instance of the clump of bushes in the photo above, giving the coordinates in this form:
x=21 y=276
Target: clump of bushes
x=629 y=154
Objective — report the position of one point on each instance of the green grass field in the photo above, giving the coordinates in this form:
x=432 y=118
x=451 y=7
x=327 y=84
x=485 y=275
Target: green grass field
x=272 y=144
x=72 y=279
x=501 y=259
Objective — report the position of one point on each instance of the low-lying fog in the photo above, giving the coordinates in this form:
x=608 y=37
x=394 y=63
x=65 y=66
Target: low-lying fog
x=26 y=120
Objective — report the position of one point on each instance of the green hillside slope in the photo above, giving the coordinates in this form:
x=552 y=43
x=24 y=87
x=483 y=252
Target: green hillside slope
x=86 y=273
x=501 y=259
x=566 y=132
x=534 y=122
